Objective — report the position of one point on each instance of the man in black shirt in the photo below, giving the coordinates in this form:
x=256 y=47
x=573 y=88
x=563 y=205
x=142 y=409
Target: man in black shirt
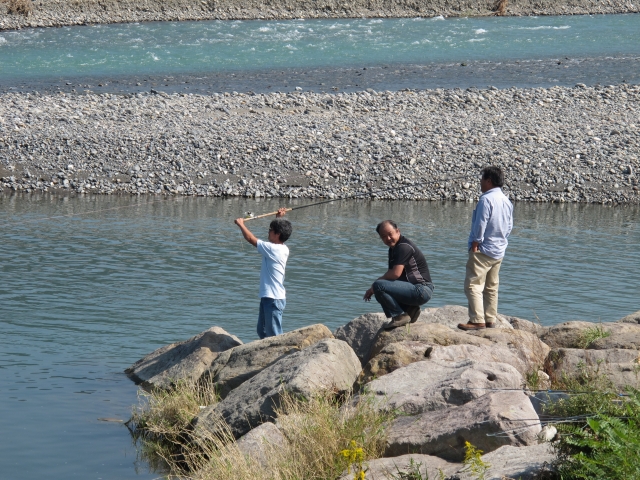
x=407 y=283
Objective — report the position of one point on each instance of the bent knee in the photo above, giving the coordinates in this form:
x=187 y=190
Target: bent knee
x=378 y=286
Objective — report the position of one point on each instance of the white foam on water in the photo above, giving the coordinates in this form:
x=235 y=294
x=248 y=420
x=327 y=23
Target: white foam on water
x=154 y=56
x=480 y=31
x=546 y=27
x=265 y=29
x=375 y=21
x=3 y=40
x=439 y=17
x=477 y=40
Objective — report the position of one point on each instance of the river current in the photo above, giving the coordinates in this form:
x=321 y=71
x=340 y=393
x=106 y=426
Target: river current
x=323 y=55
x=91 y=284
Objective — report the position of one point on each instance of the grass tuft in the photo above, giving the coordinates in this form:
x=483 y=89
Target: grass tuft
x=317 y=431
x=592 y=334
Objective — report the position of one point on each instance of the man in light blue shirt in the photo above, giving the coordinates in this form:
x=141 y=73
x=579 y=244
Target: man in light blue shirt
x=490 y=227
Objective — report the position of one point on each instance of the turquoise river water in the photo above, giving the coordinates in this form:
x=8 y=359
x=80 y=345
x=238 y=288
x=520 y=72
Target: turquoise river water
x=225 y=55
x=91 y=284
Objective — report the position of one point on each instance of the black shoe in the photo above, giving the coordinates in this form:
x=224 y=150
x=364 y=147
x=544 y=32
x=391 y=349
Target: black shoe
x=414 y=313
x=398 y=321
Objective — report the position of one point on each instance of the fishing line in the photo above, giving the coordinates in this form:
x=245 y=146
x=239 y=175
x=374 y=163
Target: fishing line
x=361 y=194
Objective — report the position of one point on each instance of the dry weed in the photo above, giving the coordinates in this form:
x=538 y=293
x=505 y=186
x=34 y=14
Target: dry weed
x=316 y=431
x=18 y=7
x=501 y=7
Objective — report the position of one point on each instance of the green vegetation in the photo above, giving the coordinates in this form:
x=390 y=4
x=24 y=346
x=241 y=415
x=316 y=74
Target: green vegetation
x=599 y=436
x=592 y=334
x=317 y=430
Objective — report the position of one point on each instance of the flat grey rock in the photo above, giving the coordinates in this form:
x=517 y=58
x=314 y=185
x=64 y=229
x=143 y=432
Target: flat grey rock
x=328 y=365
x=182 y=361
x=488 y=422
x=258 y=443
x=621 y=366
x=530 y=350
x=360 y=333
x=432 y=333
x=435 y=385
x=573 y=334
x=452 y=315
x=400 y=354
x=237 y=365
x=509 y=462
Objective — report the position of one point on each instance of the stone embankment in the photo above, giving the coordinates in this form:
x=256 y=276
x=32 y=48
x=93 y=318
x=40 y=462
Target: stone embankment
x=50 y=13
x=448 y=386
x=579 y=144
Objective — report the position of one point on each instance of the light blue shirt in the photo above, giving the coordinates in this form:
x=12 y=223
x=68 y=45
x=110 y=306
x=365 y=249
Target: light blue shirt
x=492 y=223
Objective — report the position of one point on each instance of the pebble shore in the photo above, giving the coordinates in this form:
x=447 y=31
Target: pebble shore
x=579 y=144
x=56 y=13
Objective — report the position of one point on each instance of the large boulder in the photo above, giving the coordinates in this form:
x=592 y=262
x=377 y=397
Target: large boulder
x=434 y=385
x=360 y=333
x=531 y=351
x=632 y=318
x=488 y=422
x=183 y=361
x=523 y=463
x=239 y=364
x=329 y=365
x=527 y=325
x=406 y=467
x=400 y=354
x=621 y=366
x=452 y=315
x=596 y=336
x=259 y=442
x=431 y=333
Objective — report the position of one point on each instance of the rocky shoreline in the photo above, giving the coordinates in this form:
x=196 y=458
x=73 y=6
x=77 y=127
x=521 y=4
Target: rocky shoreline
x=55 y=13
x=579 y=144
x=447 y=387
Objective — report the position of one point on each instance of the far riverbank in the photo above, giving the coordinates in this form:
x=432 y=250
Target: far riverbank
x=56 y=13
x=579 y=144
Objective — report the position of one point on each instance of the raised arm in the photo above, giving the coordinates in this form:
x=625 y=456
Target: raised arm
x=246 y=233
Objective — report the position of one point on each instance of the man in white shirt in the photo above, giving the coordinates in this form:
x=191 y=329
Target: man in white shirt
x=274 y=260
x=490 y=228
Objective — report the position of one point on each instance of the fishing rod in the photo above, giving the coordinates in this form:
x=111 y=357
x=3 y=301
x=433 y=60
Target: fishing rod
x=251 y=216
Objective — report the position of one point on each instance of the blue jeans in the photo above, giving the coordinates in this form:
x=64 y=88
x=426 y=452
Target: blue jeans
x=396 y=296
x=270 y=317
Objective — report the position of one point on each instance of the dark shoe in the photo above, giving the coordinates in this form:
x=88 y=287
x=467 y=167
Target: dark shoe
x=414 y=313
x=471 y=326
x=398 y=321
x=490 y=324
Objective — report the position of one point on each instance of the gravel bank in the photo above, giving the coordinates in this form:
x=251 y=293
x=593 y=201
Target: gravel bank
x=578 y=144
x=49 y=13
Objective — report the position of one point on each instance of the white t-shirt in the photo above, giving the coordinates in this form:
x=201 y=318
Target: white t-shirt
x=274 y=259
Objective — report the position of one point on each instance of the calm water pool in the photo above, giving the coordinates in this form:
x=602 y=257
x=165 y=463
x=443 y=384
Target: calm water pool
x=82 y=297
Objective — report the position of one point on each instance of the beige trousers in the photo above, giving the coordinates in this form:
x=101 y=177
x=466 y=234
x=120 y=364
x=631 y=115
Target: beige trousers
x=481 y=287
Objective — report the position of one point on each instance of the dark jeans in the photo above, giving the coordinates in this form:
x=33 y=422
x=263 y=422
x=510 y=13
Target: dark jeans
x=396 y=296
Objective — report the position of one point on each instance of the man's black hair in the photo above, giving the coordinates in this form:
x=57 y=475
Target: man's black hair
x=386 y=222
x=494 y=174
x=283 y=227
